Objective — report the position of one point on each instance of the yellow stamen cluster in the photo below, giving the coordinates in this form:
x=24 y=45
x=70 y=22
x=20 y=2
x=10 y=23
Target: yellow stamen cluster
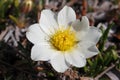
x=63 y=40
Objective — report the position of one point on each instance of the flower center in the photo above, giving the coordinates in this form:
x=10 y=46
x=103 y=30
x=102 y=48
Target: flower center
x=63 y=40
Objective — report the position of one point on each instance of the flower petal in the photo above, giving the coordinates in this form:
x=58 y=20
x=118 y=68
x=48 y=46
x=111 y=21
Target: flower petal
x=88 y=49
x=48 y=21
x=35 y=34
x=90 y=52
x=75 y=58
x=92 y=35
x=59 y=63
x=82 y=25
x=42 y=52
x=66 y=16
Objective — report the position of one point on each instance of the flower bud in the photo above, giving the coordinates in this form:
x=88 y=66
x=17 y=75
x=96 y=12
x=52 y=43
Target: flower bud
x=26 y=6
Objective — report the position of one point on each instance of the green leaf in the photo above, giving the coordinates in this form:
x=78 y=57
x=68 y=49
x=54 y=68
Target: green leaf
x=2 y=12
x=104 y=38
x=90 y=62
x=100 y=58
x=115 y=55
x=86 y=69
x=16 y=3
x=14 y=19
x=108 y=58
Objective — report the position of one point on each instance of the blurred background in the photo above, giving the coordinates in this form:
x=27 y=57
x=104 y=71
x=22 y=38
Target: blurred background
x=17 y=15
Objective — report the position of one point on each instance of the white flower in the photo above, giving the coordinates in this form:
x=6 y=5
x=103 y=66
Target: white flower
x=63 y=40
